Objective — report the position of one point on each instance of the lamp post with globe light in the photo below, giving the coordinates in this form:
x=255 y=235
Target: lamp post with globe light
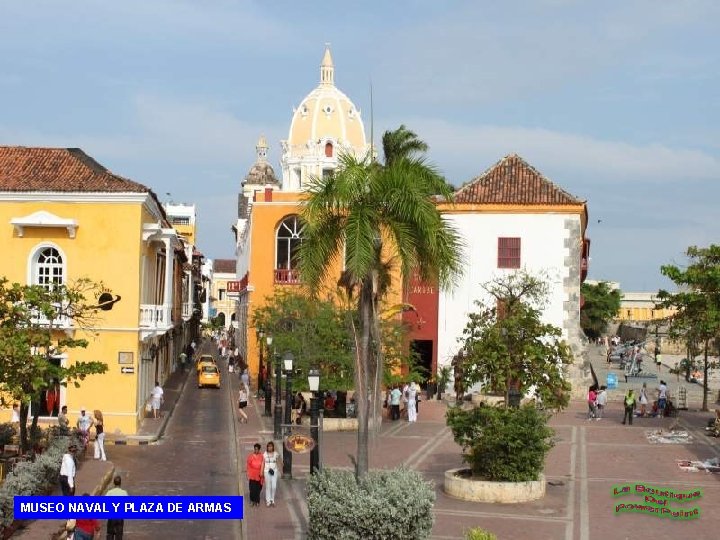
x=287 y=455
x=314 y=384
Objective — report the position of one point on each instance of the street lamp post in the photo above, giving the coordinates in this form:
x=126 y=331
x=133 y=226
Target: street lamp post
x=268 y=378
x=314 y=383
x=277 y=421
x=287 y=455
x=261 y=379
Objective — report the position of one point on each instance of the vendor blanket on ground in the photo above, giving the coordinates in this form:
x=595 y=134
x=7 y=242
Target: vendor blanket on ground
x=709 y=465
x=656 y=436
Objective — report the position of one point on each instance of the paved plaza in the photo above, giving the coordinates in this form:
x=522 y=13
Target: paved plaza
x=201 y=450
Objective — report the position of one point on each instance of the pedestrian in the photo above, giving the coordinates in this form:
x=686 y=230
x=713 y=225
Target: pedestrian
x=63 y=420
x=115 y=526
x=156 y=399
x=299 y=408
x=592 y=403
x=84 y=423
x=395 y=403
x=254 y=470
x=242 y=404
x=15 y=418
x=629 y=403
x=412 y=402
x=99 y=436
x=245 y=380
x=271 y=460
x=662 y=397
x=67 y=471
x=86 y=528
x=601 y=402
x=643 y=400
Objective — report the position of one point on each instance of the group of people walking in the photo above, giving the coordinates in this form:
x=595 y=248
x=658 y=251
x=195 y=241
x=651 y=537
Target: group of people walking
x=84 y=424
x=597 y=402
x=408 y=396
x=263 y=469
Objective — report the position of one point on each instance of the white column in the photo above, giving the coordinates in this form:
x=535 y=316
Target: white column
x=167 y=298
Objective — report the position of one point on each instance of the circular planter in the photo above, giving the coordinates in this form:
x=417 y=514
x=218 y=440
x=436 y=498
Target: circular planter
x=472 y=489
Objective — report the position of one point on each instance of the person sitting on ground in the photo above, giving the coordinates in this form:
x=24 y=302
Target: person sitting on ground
x=299 y=408
x=330 y=402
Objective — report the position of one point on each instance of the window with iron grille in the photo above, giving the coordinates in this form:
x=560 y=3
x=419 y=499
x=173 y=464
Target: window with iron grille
x=508 y=252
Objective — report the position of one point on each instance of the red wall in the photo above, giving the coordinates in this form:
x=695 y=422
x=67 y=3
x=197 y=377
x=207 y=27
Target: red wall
x=423 y=322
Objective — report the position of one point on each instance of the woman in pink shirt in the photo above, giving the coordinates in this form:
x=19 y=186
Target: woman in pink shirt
x=592 y=403
x=254 y=468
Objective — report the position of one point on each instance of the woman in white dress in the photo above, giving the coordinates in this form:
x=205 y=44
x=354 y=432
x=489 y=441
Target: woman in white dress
x=271 y=470
x=412 y=402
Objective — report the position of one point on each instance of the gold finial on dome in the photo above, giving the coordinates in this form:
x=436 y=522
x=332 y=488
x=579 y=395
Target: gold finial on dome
x=261 y=148
x=327 y=70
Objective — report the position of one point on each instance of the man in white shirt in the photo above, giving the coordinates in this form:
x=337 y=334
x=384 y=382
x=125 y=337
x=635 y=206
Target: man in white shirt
x=67 y=471
x=156 y=398
x=412 y=402
x=662 y=397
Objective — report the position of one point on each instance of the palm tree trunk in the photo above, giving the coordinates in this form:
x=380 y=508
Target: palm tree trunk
x=24 y=410
x=361 y=386
x=705 y=377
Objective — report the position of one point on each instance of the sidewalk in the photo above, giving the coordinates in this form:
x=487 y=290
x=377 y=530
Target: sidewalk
x=94 y=476
x=151 y=429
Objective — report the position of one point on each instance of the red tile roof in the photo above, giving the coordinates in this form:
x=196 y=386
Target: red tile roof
x=58 y=169
x=224 y=266
x=513 y=181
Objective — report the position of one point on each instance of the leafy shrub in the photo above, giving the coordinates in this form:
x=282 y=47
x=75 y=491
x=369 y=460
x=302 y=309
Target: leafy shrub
x=385 y=504
x=33 y=477
x=502 y=444
x=477 y=533
x=7 y=432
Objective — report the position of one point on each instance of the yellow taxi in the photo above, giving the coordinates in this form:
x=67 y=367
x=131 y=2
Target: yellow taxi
x=205 y=359
x=208 y=375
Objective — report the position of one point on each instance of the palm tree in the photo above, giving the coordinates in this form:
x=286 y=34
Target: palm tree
x=377 y=211
x=401 y=144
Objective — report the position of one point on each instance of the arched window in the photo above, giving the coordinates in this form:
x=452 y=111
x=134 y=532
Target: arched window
x=287 y=243
x=328 y=149
x=48 y=268
x=220 y=319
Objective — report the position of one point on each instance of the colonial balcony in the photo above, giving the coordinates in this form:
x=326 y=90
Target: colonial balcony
x=284 y=276
x=155 y=317
x=60 y=321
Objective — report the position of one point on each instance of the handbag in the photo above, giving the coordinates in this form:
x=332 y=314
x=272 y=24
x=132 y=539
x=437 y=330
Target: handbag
x=271 y=472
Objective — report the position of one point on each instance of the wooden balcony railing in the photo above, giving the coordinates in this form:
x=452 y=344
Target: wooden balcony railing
x=287 y=276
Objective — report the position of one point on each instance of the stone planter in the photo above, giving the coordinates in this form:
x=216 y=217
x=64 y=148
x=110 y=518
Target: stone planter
x=471 y=489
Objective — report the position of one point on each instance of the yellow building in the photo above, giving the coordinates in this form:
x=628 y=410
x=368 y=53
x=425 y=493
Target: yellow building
x=641 y=307
x=325 y=124
x=223 y=301
x=63 y=214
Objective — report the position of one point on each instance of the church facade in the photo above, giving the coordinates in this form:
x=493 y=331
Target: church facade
x=509 y=217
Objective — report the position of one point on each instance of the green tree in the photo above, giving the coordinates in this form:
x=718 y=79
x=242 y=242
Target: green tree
x=508 y=347
x=602 y=304
x=697 y=301
x=31 y=334
x=382 y=215
x=315 y=330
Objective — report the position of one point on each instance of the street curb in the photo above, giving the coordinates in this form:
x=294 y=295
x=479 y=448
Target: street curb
x=145 y=440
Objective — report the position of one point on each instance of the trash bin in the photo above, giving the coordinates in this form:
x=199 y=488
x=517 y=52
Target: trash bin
x=514 y=397
x=612 y=381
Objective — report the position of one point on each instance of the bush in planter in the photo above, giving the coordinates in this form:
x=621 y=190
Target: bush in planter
x=7 y=432
x=502 y=445
x=477 y=533
x=33 y=477
x=384 y=504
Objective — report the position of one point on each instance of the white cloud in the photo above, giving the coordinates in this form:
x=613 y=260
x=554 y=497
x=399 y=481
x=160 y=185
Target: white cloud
x=468 y=150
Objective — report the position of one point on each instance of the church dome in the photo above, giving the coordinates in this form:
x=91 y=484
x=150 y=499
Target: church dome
x=326 y=115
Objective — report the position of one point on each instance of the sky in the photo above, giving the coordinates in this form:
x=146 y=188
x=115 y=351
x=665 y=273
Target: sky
x=615 y=101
